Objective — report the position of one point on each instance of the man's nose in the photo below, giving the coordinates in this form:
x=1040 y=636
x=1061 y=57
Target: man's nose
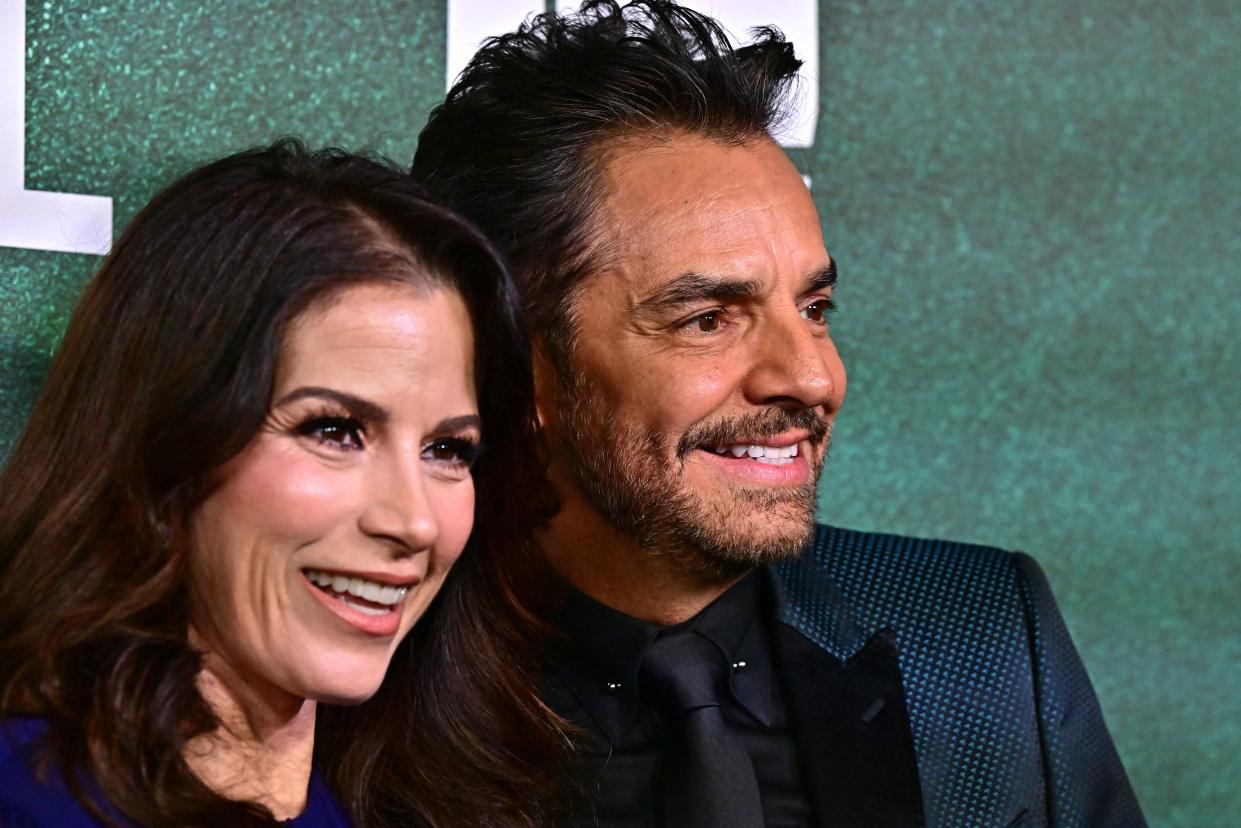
x=794 y=365
x=398 y=507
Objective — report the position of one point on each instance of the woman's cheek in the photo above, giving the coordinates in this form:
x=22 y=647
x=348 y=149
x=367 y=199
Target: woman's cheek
x=290 y=490
x=456 y=513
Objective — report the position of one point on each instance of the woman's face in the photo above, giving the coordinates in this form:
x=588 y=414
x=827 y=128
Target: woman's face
x=330 y=533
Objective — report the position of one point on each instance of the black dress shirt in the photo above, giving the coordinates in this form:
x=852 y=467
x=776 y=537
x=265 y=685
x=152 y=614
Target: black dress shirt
x=595 y=685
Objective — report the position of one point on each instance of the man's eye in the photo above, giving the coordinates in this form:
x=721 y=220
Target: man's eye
x=452 y=450
x=707 y=322
x=342 y=433
x=818 y=310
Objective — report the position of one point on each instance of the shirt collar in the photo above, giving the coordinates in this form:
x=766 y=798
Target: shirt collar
x=603 y=651
x=606 y=643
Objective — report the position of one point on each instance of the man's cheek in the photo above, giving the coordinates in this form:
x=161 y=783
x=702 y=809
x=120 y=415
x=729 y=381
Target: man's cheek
x=689 y=398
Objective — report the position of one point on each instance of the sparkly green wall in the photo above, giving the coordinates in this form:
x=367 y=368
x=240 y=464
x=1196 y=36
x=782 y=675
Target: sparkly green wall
x=1035 y=210
x=1037 y=207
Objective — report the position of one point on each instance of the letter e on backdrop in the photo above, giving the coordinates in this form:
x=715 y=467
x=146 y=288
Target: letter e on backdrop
x=60 y=222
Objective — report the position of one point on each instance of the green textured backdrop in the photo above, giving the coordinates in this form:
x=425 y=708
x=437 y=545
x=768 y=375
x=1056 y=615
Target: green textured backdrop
x=1035 y=207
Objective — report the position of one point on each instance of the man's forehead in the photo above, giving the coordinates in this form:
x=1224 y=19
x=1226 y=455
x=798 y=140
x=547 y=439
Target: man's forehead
x=691 y=204
x=675 y=166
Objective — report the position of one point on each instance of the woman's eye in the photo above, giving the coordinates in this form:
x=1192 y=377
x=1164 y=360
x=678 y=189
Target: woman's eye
x=343 y=433
x=453 y=451
x=818 y=310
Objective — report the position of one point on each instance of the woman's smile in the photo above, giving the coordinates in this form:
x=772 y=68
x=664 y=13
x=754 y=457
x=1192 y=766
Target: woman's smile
x=372 y=603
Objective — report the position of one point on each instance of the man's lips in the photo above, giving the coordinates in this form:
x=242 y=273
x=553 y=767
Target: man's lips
x=767 y=427
x=781 y=447
x=777 y=460
x=785 y=438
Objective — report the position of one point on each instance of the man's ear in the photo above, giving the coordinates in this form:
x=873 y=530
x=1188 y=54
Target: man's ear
x=544 y=385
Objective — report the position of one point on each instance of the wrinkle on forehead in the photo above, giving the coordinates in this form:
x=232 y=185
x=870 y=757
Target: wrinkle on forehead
x=716 y=208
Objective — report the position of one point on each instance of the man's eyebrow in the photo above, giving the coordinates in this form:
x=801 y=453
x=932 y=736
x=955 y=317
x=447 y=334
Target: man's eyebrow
x=695 y=287
x=358 y=407
x=822 y=279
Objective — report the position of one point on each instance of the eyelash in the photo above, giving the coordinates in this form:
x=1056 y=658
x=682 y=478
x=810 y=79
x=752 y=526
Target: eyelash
x=829 y=307
x=324 y=428
x=464 y=451
x=319 y=426
x=721 y=314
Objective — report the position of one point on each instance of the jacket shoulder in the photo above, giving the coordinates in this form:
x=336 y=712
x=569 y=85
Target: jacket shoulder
x=991 y=677
x=894 y=578
x=833 y=544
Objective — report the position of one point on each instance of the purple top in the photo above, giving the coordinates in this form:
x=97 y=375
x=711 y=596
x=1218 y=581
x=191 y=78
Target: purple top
x=29 y=802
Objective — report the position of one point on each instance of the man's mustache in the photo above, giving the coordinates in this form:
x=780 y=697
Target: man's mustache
x=753 y=428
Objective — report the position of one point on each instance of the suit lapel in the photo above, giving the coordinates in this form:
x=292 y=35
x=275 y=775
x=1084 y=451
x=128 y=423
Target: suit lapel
x=853 y=732
x=848 y=707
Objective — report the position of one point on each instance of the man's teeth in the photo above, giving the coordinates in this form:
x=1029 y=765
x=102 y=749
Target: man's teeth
x=776 y=455
x=372 y=591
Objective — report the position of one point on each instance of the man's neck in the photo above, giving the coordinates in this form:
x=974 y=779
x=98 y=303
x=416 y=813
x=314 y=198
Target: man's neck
x=649 y=584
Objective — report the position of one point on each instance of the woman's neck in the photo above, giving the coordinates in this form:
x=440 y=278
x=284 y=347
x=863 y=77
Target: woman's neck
x=262 y=750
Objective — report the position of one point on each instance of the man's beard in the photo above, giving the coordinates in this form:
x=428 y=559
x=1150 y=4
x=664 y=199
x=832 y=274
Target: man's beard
x=638 y=483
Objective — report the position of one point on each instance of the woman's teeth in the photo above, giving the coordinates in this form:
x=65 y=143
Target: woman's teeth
x=385 y=596
x=776 y=456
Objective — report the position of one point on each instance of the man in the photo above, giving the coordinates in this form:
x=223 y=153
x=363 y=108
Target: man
x=727 y=661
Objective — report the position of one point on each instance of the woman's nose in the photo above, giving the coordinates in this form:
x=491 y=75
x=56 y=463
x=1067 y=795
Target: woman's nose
x=397 y=506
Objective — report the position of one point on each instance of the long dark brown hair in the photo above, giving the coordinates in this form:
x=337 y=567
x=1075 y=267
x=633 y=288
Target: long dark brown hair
x=164 y=374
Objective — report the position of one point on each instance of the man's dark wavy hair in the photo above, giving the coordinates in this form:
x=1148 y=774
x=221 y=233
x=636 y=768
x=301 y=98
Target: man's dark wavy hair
x=519 y=143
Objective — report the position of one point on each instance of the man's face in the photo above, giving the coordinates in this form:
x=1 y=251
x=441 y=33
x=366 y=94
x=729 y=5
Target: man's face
x=704 y=380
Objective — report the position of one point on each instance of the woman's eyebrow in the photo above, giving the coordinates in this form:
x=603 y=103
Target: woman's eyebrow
x=461 y=423
x=363 y=409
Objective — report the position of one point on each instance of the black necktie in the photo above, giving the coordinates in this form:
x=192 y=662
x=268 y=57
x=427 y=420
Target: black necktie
x=708 y=777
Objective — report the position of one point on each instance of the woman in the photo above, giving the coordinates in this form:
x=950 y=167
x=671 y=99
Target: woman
x=247 y=476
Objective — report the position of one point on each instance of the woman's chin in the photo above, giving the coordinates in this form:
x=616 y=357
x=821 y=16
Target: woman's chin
x=342 y=681
x=346 y=698
x=343 y=693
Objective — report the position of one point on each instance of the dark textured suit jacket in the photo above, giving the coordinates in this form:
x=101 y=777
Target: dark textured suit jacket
x=935 y=684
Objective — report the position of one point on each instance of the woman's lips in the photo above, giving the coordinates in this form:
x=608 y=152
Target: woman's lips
x=365 y=603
